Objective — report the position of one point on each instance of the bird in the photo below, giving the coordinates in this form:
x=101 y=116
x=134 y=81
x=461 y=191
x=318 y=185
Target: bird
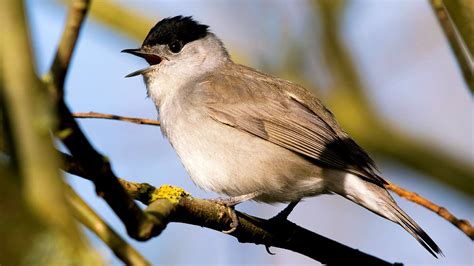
x=252 y=136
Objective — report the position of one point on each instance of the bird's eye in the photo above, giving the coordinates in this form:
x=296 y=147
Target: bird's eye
x=175 y=47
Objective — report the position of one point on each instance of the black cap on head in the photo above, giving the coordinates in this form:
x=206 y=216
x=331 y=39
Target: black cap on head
x=177 y=29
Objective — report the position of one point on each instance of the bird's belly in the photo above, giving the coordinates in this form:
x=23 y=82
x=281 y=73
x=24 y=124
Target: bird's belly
x=232 y=162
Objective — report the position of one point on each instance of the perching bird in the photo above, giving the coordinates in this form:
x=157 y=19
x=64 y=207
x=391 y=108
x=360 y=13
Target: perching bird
x=250 y=135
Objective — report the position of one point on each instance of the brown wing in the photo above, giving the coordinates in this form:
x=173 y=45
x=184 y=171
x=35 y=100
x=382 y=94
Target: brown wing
x=272 y=109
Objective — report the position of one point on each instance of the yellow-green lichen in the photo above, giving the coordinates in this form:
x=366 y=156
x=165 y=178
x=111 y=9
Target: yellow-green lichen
x=171 y=193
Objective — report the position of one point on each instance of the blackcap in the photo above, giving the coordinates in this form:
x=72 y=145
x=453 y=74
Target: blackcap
x=250 y=135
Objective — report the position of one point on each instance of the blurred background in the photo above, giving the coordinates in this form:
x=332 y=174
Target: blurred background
x=384 y=67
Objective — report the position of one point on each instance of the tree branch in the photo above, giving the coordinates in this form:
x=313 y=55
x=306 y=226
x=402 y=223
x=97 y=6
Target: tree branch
x=75 y=18
x=139 y=225
x=462 y=224
x=286 y=234
x=461 y=14
x=173 y=204
x=31 y=217
x=458 y=42
x=99 y=227
x=140 y=121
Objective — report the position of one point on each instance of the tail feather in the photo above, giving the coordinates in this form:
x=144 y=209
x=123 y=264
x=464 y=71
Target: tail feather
x=378 y=200
x=415 y=230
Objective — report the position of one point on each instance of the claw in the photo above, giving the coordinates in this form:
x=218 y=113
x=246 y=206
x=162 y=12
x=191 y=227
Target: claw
x=235 y=220
x=267 y=248
x=230 y=203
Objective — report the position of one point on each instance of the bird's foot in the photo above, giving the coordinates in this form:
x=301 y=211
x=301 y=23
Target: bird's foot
x=230 y=203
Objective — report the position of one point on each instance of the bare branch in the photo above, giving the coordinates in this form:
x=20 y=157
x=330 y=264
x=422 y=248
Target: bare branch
x=29 y=215
x=284 y=234
x=30 y=119
x=141 y=121
x=139 y=225
x=76 y=16
x=461 y=14
x=456 y=41
x=91 y=220
x=462 y=224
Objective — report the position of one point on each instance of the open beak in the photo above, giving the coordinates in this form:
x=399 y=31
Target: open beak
x=152 y=59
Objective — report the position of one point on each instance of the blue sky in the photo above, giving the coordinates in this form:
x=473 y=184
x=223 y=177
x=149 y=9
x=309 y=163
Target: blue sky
x=406 y=66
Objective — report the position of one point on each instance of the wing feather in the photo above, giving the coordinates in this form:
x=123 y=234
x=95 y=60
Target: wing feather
x=262 y=106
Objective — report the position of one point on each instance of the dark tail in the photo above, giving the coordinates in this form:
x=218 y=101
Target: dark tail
x=414 y=229
x=379 y=201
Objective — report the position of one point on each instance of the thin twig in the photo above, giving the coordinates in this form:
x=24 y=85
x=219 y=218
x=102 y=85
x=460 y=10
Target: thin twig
x=75 y=18
x=456 y=42
x=99 y=227
x=135 y=120
x=462 y=224
x=172 y=204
